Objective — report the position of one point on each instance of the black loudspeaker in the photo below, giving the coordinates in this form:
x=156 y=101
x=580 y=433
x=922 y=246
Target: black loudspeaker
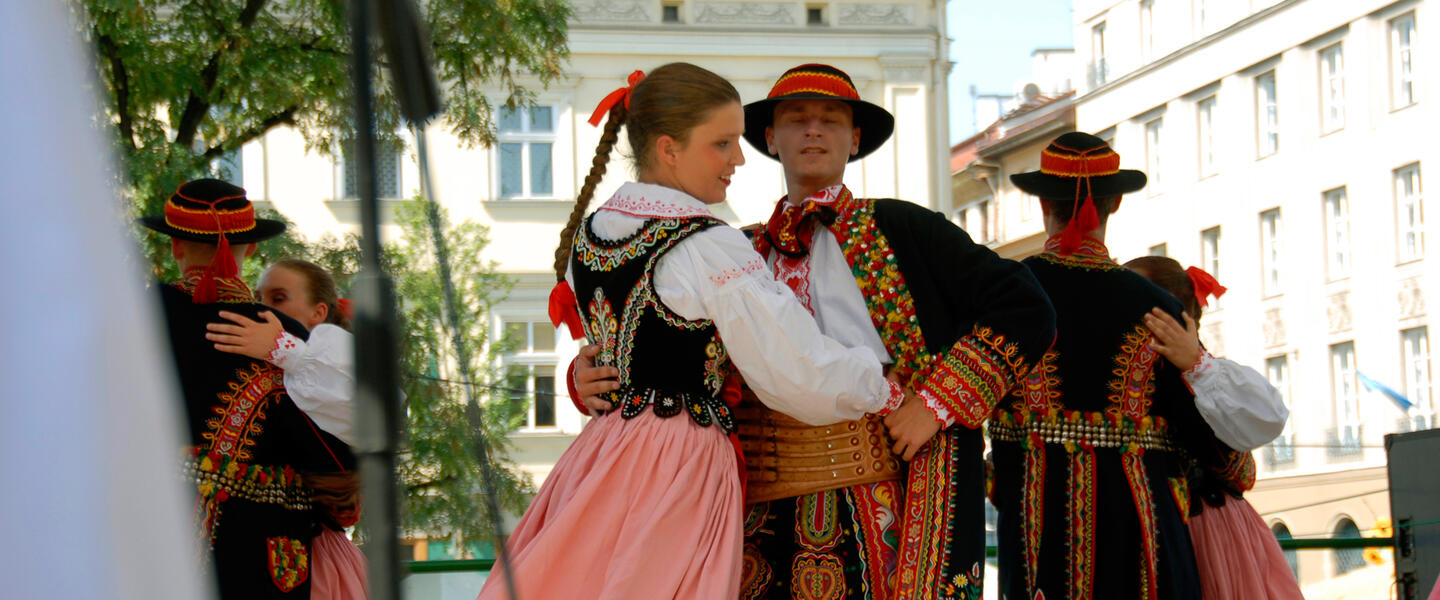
x=1415 y=510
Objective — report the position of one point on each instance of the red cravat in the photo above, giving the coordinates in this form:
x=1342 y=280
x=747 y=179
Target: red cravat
x=789 y=230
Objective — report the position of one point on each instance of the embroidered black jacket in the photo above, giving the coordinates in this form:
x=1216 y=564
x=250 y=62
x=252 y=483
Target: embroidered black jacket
x=249 y=445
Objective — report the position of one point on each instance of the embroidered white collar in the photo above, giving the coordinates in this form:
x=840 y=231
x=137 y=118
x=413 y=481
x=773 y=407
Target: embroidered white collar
x=648 y=201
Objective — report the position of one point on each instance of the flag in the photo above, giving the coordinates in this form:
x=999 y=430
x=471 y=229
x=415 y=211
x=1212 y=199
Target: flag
x=1398 y=398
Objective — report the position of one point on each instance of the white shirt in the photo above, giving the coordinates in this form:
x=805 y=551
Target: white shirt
x=320 y=376
x=716 y=274
x=1240 y=405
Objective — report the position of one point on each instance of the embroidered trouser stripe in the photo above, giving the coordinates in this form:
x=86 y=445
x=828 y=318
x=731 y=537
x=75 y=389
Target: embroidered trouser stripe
x=1033 y=502
x=1134 y=464
x=1082 y=521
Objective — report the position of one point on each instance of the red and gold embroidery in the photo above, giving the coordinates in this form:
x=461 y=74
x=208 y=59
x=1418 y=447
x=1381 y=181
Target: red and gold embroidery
x=817 y=526
x=971 y=378
x=892 y=309
x=817 y=577
x=1082 y=520
x=1040 y=392
x=755 y=573
x=241 y=411
x=1180 y=492
x=1134 y=386
x=877 y=528
x=1133 y=463
x=289 y=562
x=1091 y=255
x=1238 y=472
x=1032 y=503
x=230 y=290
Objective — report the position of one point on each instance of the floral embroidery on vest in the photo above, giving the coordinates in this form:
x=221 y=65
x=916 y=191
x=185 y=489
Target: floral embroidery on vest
x=240 y=412
x=1133 y=387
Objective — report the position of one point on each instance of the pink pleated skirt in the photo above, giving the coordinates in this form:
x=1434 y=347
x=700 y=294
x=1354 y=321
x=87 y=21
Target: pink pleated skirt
x=1238 y=556
x=635 y=509
x=337 y=568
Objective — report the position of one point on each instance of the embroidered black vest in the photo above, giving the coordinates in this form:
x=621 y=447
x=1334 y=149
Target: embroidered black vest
x=665 y=360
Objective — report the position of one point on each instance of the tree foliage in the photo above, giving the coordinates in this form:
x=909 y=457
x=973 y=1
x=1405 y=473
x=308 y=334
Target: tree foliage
x=438 y=466
x=188 y=81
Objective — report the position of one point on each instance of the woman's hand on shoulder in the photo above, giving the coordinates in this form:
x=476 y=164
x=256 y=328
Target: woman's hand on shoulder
x=1179 y=345
x=255 y=339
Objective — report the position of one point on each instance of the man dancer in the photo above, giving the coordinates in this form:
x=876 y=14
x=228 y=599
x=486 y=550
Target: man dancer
x=1098 y=432
x=834 y=514
x=250 y=446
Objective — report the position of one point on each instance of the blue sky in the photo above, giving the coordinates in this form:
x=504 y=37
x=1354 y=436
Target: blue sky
x=991 y=46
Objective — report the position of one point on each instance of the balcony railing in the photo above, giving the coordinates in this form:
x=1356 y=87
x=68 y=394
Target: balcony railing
x=1343 y=443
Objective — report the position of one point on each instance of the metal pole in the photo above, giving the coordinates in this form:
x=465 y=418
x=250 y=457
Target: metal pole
x=377 y=383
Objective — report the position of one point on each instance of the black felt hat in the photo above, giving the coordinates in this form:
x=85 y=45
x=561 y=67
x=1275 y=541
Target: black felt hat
x=1083 y=162
x=200 y=210
x=819 y=82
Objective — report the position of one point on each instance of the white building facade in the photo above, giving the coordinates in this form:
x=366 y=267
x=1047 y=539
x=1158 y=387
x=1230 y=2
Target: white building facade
x=524 y=188
x=1286 y=145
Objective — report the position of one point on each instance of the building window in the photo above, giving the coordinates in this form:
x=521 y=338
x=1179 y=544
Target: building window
x=1205 y=110
x=1153 y=129
x=1409 y=213
x=1267 y=117
x=1332 y=89
x=1282 y=533
x=670 y=13
x=527 y=137
x=1147 y=30
x=530 y=370
x=1282 y=449
x=1402 y=67
x=815 y=15
x=1270 y=252
x=1344 y=439
x=1159 y=250
x=975 y=220
x=387 y=170
x=1415 y=354
x=1099 y=70
x=1347 y=559
x=1210 y=255
x=1337 y=234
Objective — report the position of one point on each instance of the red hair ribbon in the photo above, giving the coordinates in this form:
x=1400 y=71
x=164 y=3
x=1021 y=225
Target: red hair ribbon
x=1205 y=285
x=565 y=309
x=613 y=98
x=346 y=307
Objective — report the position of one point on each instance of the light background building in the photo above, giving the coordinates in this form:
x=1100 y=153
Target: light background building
x=1285 y=143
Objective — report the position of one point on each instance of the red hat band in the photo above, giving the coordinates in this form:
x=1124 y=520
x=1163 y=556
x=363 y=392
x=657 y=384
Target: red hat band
x=210 y=220
x=800 y=81
x=1080 y=164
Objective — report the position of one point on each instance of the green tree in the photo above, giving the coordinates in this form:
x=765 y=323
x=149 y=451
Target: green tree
x=188 y=81
x=438 y=466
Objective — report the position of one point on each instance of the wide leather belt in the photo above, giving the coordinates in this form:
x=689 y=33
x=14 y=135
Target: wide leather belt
x=785 y=458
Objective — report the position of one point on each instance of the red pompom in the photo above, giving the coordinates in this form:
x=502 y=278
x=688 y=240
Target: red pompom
x=1089 y=217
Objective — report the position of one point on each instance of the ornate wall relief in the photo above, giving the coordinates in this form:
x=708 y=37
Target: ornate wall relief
x=611 y=11
x=876 y=14
x=748 y=13
x=1339 y=312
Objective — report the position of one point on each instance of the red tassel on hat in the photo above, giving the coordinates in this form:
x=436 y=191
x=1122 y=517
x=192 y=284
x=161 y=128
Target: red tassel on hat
x=1089 y=217
x=565 y=309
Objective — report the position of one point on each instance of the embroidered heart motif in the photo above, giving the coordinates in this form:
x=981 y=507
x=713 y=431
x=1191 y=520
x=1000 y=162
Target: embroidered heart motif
x=755 y=574
x=817 y=577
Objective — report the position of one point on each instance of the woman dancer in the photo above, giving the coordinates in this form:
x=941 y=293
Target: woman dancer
x=1235 y=551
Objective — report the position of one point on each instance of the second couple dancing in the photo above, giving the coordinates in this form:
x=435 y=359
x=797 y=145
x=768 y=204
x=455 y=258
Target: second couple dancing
x=879 y=315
